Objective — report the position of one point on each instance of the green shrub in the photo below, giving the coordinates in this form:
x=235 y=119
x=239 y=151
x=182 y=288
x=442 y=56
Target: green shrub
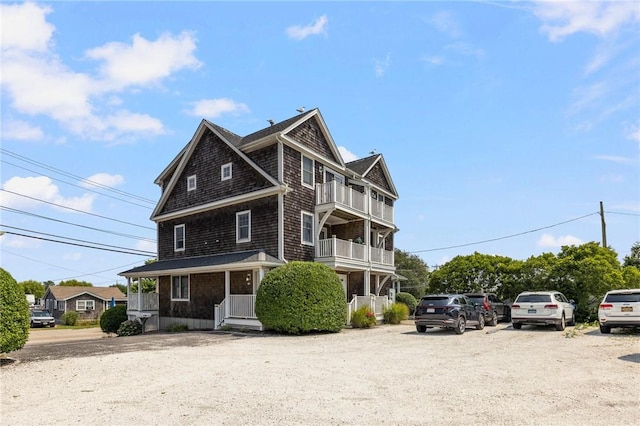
x=69 y=318
x=396 y=313
x=363 y=317
x=407 y=299
x=130 y=328
x=14 y=314
x=300 y=297
x=111 y=319
x=177 y=328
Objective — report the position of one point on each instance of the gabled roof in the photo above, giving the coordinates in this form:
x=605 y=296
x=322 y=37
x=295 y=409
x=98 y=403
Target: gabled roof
x=363 y=166
x=186 y=265
x=68 y=292
x=277 y=127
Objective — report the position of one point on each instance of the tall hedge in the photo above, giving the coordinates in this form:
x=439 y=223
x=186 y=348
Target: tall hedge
x=14 y=314
x=300 y=297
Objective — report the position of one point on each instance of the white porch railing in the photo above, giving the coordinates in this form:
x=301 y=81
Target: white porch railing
x=335 y=192
x=381 y=211
x=143 y=302
x=242 y=306
x=377 y=304
x=335 y=247
x=382 y=256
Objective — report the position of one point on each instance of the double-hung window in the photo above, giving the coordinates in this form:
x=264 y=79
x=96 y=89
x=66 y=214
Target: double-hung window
x=226 y=171
x=180 y=287
x=178 y=238
x=191 y=183
x=85 y=305
x=307 y=228
x=307 y=172
x=243 y=226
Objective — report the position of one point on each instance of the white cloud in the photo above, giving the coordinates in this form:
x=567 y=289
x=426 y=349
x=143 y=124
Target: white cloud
x=443 y=21
x=40 y=188
x=548 y=240
x=20 y=130
x=381 y=65
x=24 y=27
x=214 y=108
x=614 y=159
x=347 y=155
x=561 y=19
x=124 y=121
x=465 y=49
x=633 y=133
x=145 y=62
x=102 y=180
x=319 y=26
x=146 y=246
x=15 y=241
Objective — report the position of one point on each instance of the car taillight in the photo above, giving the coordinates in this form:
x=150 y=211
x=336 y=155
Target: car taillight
x=554 y=306
x=486 y=306
x=606 y=306
x=515 y=306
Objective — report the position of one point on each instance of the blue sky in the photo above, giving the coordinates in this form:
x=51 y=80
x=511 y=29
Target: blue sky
x=496 y=119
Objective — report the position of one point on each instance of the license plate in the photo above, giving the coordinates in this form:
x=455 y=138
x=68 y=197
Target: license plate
x=531 y=311
x=430 y=310
x=626 y=309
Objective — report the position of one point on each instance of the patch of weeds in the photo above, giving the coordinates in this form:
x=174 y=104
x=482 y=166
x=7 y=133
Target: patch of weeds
x=177 y=328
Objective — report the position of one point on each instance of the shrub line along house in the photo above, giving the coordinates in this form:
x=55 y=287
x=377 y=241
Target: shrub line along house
x=233 y=207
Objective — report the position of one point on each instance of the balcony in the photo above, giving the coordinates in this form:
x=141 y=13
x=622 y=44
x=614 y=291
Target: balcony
x=144 y=302
x=341 y=249
x=347 y=198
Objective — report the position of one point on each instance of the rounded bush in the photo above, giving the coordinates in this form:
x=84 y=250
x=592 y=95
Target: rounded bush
x=300 y=297
x=111 y=319
x=396 y=313
x=363 y=317
x=130 y=328
x=14 y=314
x=69 y=318
x=408 y=299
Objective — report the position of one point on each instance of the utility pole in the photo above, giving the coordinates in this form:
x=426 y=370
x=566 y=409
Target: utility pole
x=604 y=226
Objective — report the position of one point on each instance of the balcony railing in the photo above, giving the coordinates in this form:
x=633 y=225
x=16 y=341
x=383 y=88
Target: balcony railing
x=335 y=192
x=142 y=302
x=335 y=247
x=381 y=211
x=242 y=306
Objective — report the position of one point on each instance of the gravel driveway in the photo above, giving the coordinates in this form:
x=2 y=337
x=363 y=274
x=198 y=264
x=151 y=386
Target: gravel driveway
x=385 y=375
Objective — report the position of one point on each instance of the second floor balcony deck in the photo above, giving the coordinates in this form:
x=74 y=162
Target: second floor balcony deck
x=353 y=200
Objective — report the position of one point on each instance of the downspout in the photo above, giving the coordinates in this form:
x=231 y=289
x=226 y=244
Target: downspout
x=280 y=199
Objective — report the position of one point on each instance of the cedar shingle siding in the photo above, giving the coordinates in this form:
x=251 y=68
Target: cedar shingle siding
x=310 y=134
x=376 y=175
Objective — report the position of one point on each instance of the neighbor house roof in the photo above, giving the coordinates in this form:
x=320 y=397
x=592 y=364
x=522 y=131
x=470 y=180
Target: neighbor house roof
x=104 y=293
x=242 y=259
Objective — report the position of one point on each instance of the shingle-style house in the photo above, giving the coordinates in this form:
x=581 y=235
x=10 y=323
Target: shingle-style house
x=233 y=207
x=88 y=302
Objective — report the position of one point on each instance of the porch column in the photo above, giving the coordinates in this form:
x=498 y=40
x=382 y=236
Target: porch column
x=227 y=293
x=128 y=290
x=367 y=283
x=139 y=294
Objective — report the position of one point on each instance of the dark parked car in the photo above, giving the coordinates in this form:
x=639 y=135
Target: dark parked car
x=448 y=311
x=494 y=309
x=41 y=319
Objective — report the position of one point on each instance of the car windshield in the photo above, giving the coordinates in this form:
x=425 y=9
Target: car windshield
x=39 y=314
x=435 y=300
x=533 y=298
x=476 y=299
x=625 y=297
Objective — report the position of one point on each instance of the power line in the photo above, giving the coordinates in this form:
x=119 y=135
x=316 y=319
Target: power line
x=506 y=236
x=625 y=214
x=76 y=210
x=125 y=250
x=78 y=186
x=75 y=224
x=71 y=175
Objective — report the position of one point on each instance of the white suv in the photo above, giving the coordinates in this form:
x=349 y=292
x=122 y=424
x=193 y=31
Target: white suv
x=619 y=308
x=542 y=308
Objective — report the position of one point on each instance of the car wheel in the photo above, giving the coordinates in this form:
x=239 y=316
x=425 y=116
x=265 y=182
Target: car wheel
x=461 y=325
x=494 y=318
x=560 y=325
x=421 y=328
x=605 y=329
x=31 y=324
x=480 y=325
x=517 y=326
x=52 y=325
x=573 y=319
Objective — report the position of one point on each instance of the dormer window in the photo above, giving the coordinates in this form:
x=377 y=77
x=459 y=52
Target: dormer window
x=226 y=171
x=191 y=183
x=307 y=172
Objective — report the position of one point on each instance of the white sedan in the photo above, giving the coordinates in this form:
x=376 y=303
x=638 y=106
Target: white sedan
x=543 y=308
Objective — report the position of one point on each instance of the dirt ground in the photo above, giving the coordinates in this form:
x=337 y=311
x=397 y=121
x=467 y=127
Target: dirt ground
x=385 y=375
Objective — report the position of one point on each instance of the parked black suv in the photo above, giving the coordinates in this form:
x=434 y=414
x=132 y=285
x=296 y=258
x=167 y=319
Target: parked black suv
x=494 y=309
x=455 y=311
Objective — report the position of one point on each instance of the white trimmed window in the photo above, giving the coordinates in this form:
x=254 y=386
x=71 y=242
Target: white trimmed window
x=307 y=172
x=85 y=305
x=180 y=287
x=243 y=226
x=61 y=305
x=307 y=228
x=178 y=238
x=226 y=171
x=191 y=183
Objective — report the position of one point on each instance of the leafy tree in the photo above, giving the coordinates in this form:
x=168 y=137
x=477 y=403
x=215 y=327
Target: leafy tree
x=148 y=286
x=75 y=283
x=473 y=273
x=631 y=277
x=300 y=297
x=122 y=287
x=633 y=258
x=415 y=270
x=14 y=314
x=32 y=287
